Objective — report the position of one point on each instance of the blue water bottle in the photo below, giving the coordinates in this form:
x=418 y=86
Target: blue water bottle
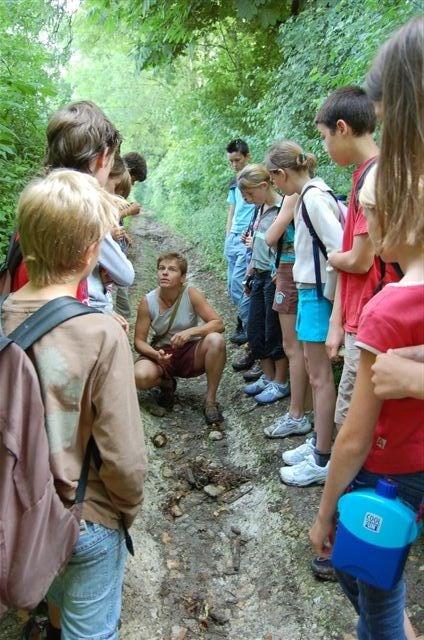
x=374 y=533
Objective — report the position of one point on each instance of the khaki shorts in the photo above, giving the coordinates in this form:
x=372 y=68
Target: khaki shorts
x=182 y=363
x=347 y=381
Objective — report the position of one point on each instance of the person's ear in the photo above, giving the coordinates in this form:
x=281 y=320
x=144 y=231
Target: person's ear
x=342 y=127
x=91 y=255
x=99 y=161
x=183 y=278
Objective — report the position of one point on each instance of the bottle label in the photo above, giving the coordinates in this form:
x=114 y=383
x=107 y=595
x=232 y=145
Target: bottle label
x=373 y=522
x=279 y=297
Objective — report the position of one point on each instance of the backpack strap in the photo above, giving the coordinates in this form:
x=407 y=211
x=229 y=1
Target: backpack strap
x=46 y=318
x=361 y=180
x=317 y=244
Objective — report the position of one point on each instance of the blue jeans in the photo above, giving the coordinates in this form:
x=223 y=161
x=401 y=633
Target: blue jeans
x=381 y=612
x=235 y=253
x=88 y=592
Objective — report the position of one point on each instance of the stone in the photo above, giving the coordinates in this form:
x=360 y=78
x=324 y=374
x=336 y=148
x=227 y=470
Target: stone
x=214 y=490
x=176 y=511
x=160 y=440
x=219 y=616
x=215 y=435
x=167 y=473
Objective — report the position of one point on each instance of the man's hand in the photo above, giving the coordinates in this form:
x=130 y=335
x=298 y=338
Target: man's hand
x=334 y=341
x=180 y=338
x=321 y=536
x=162 y=357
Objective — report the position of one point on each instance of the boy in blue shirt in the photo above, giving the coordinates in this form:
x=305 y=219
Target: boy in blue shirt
x=239 y=216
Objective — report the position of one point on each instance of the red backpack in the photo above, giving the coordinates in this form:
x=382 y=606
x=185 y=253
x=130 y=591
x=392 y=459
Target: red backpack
x=37 y=533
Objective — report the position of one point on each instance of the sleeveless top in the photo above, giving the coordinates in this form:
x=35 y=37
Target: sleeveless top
x=185 y=318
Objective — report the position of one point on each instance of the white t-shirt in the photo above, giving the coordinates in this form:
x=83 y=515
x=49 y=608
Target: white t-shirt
x=324 y=214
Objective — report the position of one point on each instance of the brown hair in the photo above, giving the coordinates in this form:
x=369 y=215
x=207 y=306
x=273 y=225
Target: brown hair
x=136 y=165
x=59 y=217
x=352 y=105
x=173 y=255
x=252 y=175
x=286 y=154
x=76 y=134
x=396 y=80
x=124 y=186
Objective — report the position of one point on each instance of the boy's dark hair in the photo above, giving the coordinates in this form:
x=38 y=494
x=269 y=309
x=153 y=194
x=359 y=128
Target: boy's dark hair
x=238 y=146
x=136 y=165
x=76 y=134
x=352 y=105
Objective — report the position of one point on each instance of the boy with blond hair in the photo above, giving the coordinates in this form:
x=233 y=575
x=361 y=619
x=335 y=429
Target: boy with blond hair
x=85 y=371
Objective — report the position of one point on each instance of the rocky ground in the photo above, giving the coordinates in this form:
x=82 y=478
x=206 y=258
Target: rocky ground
x=221 y=545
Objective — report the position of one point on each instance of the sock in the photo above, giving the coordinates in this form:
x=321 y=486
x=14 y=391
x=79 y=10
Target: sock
x=321 y=458
x=53 y=633
x=314 y=438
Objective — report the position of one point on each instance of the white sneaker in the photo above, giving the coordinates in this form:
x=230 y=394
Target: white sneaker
x=294 y=456
x=305 y=473
x=287 y=425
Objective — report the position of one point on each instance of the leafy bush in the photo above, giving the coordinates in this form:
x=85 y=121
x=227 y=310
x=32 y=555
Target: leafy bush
x=29 y=89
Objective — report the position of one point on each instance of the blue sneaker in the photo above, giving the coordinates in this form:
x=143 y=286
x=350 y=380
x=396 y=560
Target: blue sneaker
x=273 y=391
x=256 y=387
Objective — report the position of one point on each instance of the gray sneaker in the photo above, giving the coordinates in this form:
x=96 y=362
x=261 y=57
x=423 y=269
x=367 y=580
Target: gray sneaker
x=287 y=426
x=294 y=456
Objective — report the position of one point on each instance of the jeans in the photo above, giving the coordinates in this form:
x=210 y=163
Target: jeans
x=243 y=310
x=235 y=253
x=381 y=612
x=263 y=326
x=88 y=592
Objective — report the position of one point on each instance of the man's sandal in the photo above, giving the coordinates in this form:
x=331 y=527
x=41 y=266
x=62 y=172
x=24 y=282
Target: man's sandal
x=212 y=413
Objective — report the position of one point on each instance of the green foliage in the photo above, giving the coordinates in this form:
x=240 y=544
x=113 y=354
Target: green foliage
x=29 y=85
x=212 y=71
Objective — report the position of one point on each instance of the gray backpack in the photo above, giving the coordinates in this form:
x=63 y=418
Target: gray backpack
x=37 y=533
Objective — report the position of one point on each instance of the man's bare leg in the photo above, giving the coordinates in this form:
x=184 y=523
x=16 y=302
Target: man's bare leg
x=211 y=356
x=147 y=374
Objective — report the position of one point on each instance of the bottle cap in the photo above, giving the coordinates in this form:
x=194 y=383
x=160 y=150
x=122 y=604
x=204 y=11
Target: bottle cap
x=386 y=488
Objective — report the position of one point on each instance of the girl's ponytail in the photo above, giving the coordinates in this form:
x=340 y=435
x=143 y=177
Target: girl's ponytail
x=289 y=155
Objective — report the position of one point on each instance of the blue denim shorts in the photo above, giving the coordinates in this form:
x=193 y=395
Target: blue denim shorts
x=313 y=316
x=88 y=592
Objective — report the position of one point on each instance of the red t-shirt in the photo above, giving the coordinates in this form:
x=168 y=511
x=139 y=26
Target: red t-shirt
x=20 y=278
x=394 y=318
x=358 y=288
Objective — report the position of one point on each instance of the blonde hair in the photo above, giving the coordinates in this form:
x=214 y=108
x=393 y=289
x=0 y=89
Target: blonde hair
x=396 y=80
x=252 y=175
x=286 y=154
x=59 y=217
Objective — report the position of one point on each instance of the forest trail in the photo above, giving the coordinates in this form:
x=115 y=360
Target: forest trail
x=235 y=566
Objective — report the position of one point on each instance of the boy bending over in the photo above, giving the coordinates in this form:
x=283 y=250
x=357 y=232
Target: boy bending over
x=180 y=348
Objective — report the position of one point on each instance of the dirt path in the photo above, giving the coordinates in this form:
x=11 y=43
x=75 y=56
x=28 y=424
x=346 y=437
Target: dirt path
x=236 y=566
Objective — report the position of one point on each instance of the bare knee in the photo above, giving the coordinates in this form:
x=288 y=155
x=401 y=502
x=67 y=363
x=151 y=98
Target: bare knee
x=145 y=375
x=215 y=341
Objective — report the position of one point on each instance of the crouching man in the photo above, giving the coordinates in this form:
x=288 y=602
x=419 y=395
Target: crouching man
x=180 y=347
